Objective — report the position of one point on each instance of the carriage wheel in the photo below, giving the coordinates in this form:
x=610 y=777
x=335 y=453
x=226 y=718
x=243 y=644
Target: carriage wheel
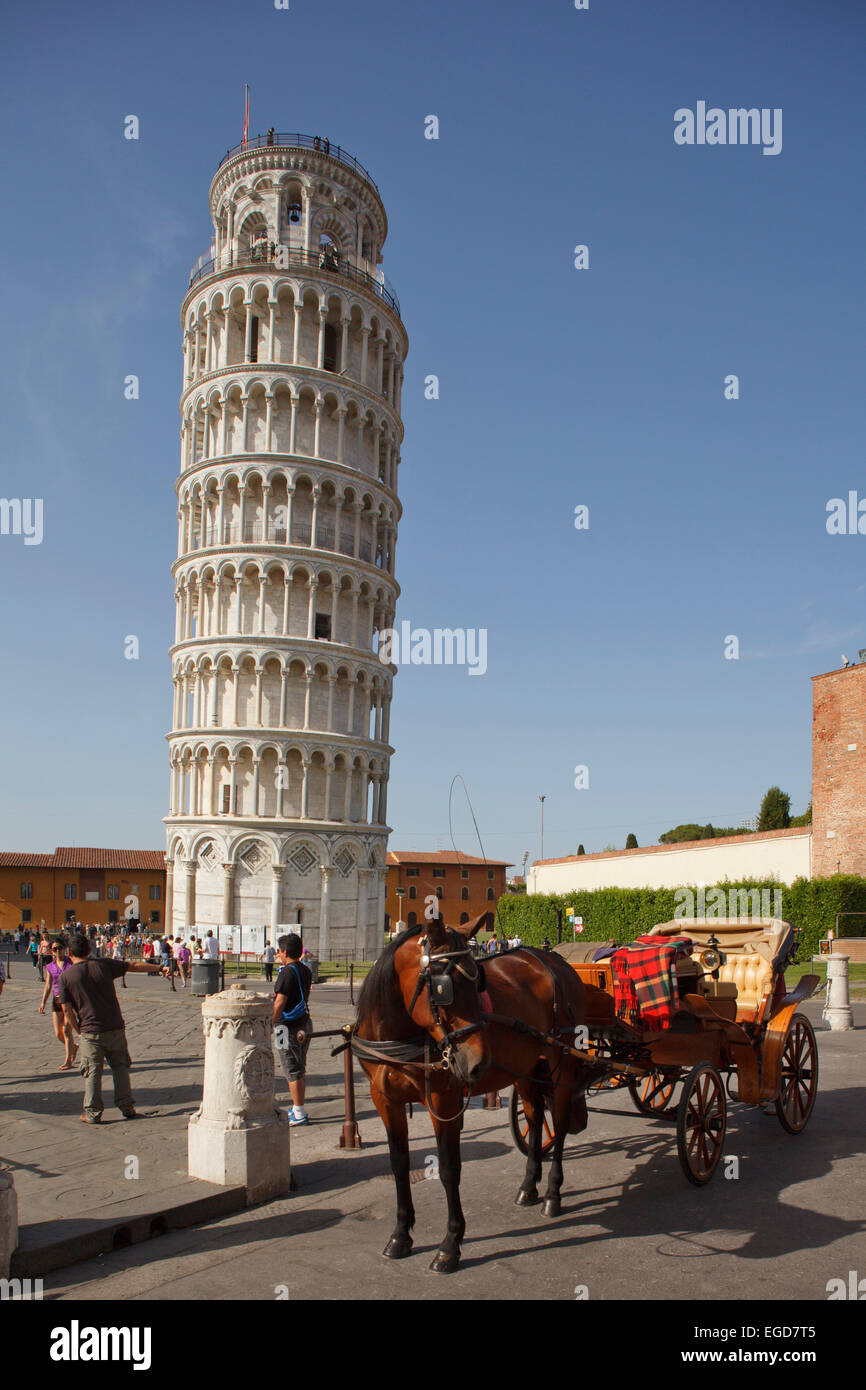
x=652 y=1093
x=799 y=1086
x=701 y=1123
x=520 y=1127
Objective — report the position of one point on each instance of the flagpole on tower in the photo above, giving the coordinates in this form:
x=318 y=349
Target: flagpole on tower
x=246 y=116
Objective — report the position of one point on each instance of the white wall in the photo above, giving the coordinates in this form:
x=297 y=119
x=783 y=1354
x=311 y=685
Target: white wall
x=783 y=856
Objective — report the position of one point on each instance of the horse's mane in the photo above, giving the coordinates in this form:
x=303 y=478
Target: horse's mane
x=377 y=1000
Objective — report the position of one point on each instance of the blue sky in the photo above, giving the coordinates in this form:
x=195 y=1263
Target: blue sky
x=559 y=387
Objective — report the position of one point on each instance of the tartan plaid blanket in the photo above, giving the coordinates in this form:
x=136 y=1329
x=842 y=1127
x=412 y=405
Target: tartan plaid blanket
x=644 y=988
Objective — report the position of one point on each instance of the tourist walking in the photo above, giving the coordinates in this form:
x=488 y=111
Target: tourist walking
x=269 y=955
x=292 y=1021
x=44 y=954
x=17 y=939
x=87 y=995
x=165 y=956
x=63 y=1030
x=211 y=947
x=183 y=956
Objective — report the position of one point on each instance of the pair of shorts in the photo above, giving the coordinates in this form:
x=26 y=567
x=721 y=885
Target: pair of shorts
x=293 y=1057
x=55 y=1006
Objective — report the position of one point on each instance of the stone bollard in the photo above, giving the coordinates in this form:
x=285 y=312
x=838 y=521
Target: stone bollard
x=8 y=1222
x=837 y=1013
x=238 y=1135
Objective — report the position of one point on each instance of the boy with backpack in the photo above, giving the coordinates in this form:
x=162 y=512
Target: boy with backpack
x=292 y=1020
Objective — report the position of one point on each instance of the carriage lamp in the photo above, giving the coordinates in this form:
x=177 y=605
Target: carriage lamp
x=711 y=958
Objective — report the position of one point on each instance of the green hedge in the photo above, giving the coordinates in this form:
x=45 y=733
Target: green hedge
x=624 y=913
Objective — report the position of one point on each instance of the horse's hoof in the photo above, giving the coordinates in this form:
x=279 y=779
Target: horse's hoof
x=444 y=1264
x=552 y=1206
x=398 y=1248
x=526 y=1198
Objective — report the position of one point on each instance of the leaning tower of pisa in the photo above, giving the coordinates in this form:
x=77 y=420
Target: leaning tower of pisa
x=288 y=508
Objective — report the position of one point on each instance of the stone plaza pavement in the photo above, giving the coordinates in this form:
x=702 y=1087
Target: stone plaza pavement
x=631 y=1226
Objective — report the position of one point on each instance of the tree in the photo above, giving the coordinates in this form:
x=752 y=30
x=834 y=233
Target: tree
x=631 y=842
x=775 y=810
x=581 y=850
x=805 y=819
x=681 y=833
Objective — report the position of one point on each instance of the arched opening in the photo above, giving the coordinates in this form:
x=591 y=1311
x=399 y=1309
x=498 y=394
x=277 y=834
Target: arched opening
x=331 y=361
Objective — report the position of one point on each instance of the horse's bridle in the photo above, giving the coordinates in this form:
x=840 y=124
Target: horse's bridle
x=440 y=990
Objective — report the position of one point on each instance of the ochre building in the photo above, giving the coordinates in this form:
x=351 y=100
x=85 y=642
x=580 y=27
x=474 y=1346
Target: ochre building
x=465 y=886
x=84 y=885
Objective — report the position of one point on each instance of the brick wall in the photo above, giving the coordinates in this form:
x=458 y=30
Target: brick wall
x=839 y=772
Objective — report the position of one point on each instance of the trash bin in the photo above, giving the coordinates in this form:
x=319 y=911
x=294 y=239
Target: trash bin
x=205 y=975
x=312 y=964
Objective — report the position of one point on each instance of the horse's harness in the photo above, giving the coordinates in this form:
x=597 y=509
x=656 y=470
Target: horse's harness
x=436 y=976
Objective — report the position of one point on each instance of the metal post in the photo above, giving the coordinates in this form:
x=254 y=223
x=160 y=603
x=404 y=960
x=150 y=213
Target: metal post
x=350 y=1138
x=351 y=983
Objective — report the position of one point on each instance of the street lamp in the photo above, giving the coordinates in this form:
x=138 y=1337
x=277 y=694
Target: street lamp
x=542 y=799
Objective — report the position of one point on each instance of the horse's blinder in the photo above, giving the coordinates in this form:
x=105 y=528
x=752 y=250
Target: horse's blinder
x=440 y=990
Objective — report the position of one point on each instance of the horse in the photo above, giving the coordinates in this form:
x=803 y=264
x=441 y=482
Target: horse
x=424 y=1035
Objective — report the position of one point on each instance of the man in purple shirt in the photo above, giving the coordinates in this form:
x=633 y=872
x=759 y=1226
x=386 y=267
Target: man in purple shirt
x=86 y=991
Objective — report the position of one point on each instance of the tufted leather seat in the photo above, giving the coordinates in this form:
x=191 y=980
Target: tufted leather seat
x=750 y=974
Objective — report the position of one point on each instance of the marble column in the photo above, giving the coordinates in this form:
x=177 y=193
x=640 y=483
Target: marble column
x=362 y=911
x=324 y=926
x=228 y=895
x=276 y=900
x=189 y=900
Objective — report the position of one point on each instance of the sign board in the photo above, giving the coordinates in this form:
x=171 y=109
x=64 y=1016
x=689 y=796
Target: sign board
x=252 y=941
x=229 y=939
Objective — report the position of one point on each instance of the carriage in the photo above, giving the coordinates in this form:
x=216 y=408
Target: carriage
x=699 y=1005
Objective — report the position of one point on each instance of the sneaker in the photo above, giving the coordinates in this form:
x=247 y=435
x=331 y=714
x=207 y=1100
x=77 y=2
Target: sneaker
x=131 y=1115
x=299 y=1119
x=90 y=1119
